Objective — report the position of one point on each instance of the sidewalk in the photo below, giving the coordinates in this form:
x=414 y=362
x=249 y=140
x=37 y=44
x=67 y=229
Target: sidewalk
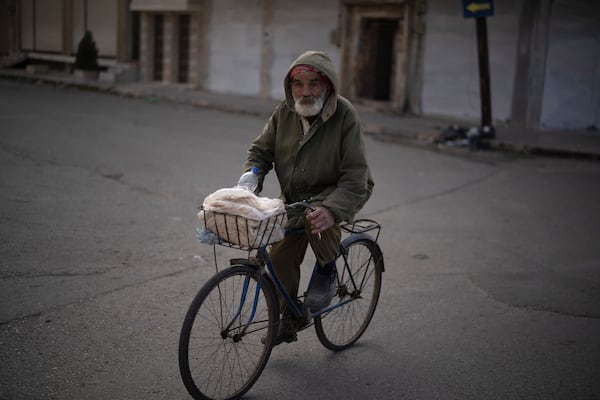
x=423 y=131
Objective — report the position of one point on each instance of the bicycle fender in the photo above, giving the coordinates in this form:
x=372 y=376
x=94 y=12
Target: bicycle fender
x=378 y=254
x=251 y=262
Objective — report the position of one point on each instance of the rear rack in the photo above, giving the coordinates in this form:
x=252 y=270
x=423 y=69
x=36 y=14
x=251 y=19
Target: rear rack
x=362 y=226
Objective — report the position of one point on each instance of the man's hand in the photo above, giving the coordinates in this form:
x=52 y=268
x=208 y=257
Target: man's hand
x=320 y=219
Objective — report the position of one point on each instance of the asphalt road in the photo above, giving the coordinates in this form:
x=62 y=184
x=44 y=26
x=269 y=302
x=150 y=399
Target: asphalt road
x=492 y=288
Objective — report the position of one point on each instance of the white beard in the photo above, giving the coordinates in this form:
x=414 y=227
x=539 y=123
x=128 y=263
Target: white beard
x=311 y=109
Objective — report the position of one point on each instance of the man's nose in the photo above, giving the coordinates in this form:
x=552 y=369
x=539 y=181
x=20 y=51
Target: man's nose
x=306 y=92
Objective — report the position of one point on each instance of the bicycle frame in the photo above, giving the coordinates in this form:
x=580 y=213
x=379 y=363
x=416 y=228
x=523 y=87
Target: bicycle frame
x=241 y=333
x=291 y=303
x=235 y=320
x=355 y=231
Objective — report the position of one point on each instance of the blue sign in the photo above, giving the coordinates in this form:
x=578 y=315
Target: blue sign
x=478 y=8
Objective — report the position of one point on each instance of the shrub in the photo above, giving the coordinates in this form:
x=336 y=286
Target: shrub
x=87 y=53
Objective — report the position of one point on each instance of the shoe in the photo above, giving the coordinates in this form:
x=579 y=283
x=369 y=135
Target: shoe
x=286 y=332
x=285 y=337
x=321 y=291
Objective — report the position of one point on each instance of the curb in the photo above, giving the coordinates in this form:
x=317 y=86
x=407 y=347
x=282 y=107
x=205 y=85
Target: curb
x=421 y=139
x=545 y=152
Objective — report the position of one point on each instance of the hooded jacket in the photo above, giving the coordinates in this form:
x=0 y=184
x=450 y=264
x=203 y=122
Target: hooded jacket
x=326 y=166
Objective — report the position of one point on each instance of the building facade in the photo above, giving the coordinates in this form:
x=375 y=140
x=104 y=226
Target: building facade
x=51 y=29
x=404 y=56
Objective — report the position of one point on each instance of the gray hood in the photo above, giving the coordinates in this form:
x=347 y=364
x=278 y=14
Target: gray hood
x=320 y=61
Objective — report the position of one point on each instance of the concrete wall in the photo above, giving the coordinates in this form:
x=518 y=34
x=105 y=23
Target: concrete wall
x=236 y=40
x=48 y=25
x=451 y=72
x=102 y=22
x=572 y=84
x=296 y=29
x=26 y=22
x=43 y=24
x=235 y=47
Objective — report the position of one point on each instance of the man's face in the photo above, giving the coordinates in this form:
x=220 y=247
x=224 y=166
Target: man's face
x=309 y=93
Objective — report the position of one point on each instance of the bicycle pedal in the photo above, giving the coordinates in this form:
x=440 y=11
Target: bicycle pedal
x=290 y=338
x=285 y=338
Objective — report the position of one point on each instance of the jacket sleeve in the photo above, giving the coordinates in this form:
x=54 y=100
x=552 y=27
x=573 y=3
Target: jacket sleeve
x=355 y=184
x=262 y=149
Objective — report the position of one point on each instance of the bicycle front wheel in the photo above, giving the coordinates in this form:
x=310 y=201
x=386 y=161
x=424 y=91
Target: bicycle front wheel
x=359 y=269
x=227 y=334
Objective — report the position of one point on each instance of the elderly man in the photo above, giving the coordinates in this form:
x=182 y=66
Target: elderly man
x=314 y=141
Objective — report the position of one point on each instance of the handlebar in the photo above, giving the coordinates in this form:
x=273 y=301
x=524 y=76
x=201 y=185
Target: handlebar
x=362 y=225
x=300 y=204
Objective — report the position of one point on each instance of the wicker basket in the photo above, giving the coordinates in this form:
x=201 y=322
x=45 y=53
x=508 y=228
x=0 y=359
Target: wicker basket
x=242 y=232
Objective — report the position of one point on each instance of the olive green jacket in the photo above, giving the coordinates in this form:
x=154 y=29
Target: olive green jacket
x=327 y=166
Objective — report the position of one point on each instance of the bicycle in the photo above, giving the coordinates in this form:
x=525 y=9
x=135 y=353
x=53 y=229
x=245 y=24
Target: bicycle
x=230 y=327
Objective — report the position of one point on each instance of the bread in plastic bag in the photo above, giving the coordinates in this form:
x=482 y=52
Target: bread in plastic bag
x=239 y=216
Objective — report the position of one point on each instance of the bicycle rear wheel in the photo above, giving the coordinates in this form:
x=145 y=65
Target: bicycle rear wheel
x=359 y=269
x=221 y=353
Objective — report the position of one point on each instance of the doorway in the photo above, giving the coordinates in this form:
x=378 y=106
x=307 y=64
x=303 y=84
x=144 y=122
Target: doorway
x=376 y=63
x=184 y=49
x=377 y=43
x=159 y=37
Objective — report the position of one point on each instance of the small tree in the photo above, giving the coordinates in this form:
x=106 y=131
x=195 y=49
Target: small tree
x=87 y=53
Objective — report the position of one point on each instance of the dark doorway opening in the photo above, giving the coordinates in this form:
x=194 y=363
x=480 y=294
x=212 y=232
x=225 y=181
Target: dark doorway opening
x=159 y=37
x=135 y=36
x=377 y=38
x=184 y=48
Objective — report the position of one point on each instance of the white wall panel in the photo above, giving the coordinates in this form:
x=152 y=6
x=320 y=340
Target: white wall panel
x=235 y=47
x=48 y=25
x=572 y=84
x=451 y=71
x=102 y=21
x=78 y=23
x=27 y=26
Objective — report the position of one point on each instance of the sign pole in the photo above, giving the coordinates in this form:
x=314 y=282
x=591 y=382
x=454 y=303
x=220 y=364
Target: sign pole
x=480 y=10
x=484 y=72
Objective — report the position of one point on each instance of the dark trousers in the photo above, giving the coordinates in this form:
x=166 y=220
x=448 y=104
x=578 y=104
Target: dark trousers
x=288 y=254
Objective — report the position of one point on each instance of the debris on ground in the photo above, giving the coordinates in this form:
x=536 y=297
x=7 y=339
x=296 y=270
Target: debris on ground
x=474 y=138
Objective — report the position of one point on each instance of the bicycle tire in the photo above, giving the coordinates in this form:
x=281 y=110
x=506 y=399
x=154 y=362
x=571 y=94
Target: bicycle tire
x=343 y=326
x=213 y=362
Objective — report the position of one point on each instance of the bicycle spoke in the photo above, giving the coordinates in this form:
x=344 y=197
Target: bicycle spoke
x=360 y=282
x=221 y=353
